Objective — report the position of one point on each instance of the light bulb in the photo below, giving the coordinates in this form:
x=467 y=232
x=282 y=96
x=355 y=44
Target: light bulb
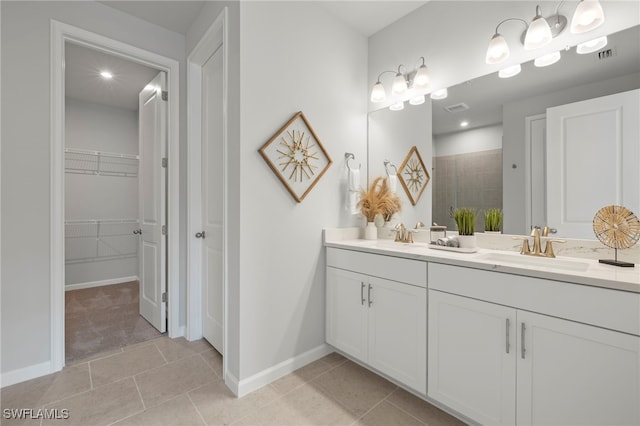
x=399 y=84
x=439 y=94
x=510 y=71
x=464 y=123
x=421 y=79
x=377 y=93
x=538 y=33
x=548 y=59
x=398 y=106
x=106 y=75
x=417 y=100
x=588 y=15
x=498 y=50
x=591 y=45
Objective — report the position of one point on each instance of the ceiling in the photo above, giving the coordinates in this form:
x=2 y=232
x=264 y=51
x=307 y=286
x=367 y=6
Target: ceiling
x=176 y=16
x=83 y=80
x=486 y=95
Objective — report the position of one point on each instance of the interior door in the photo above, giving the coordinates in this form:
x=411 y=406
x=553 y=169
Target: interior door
x=212 y=200
x=152 y=116
x=592 y=160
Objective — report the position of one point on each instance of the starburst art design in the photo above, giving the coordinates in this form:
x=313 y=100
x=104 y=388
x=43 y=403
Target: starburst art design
x=298 y=156
x=413 y=175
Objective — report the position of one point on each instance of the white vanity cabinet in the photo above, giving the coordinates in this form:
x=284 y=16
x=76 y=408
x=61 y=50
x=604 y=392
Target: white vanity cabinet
x=500 y=352
x=377 y=313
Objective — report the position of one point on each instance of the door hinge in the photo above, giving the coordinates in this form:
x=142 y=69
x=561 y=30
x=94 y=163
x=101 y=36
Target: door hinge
x=164 y=297
x=164 y=229
x=165 y=95
x=164 y=162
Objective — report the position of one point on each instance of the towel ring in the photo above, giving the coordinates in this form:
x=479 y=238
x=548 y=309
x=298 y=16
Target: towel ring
x=388 y=165
x=349 y=156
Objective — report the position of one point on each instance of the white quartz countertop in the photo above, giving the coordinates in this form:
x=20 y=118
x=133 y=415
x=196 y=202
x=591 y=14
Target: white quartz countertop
x=568 y=269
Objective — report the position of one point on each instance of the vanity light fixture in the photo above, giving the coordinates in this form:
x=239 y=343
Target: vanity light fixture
x=591 y=45
x=439 y=94
x=399 y=85
x=539 y=33
x=548 y=59
x=106 y=75
x=417 y=100
x=510 y=71
x=418 y=80
x=587 y=16
x=398 y=106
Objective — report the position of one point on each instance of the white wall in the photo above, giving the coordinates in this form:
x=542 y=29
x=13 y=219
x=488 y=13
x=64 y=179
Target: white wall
x=514 y=115
x=453 y=37
x=294 y=57
x=25 y=38
x=95 y=127
x=480 y=139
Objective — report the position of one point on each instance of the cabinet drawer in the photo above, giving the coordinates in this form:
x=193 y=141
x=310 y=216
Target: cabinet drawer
x=613 y=309
x=388 y=267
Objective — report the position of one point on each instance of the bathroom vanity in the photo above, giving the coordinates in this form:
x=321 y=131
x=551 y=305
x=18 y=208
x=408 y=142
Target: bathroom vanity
x=493 y=336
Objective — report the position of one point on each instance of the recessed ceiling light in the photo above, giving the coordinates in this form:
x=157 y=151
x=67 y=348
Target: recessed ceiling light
x=464 y=123
x=106 y=75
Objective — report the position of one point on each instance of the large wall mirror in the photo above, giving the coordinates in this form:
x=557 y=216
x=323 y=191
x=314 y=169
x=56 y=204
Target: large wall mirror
x=486 y=142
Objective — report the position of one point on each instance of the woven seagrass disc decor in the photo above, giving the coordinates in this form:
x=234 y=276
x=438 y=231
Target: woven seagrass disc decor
x=616 y=227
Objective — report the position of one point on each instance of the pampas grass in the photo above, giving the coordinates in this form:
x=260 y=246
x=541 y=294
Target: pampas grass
x=379 y=199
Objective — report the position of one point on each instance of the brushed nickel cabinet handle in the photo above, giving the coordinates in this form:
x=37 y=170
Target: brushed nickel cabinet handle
x=369 y=295
x=362 y=299
x=508 y=326
x=522 y=349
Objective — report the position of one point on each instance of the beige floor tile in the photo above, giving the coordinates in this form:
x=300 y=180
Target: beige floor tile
x=163 y=383
x=301 y=376
x=214 y=359
x=100 y=406
x=129 y=363
x=175 y=349
x=178 y=411
x=355 y=387
x=200 y=345
x=218 y=406
x=385 y=414
x=94 y=357
x=427 y=413
x=306 y=406
x=334 y=359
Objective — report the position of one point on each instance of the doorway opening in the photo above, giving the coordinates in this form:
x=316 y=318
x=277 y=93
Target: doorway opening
x=105 y=225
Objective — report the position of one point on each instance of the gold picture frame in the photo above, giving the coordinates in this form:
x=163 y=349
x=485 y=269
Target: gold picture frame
x=413 y=175
x=296 y=156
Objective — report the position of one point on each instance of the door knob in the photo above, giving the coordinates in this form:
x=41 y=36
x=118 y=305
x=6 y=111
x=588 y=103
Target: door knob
x=137 y=231
x=200 y=235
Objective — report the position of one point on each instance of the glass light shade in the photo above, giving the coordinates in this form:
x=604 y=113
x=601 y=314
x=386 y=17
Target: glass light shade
x=498 y=50
x=538 y=34
x=421 y=79
x=106 y=75
x=377 y=93
x=588 y=15
x=398 y=106
x=591 y=45
x=417 y=100
x=440 y=94
x=399 y=85
x=510 y=71
x=548 y=59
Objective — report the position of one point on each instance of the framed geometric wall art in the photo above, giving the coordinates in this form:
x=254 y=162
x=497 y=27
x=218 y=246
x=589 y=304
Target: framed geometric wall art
x=413 y=175
x=296 y=155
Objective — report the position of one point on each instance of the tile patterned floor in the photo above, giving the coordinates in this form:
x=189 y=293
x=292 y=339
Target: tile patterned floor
x=175 y=382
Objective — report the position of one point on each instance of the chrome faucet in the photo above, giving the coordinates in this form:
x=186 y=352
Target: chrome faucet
x=537 y=246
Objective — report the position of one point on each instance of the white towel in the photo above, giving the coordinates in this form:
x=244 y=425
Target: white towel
x=353 y=191
x=392 y=182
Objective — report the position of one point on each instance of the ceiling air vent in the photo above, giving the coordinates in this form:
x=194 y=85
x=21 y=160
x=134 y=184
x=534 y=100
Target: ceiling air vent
x=603 y=54
x=457 y=107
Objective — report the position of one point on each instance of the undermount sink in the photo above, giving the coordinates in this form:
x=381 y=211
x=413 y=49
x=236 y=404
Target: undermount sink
x=543 y=262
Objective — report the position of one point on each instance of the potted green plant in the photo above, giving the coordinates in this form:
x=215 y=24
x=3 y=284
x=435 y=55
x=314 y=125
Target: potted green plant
x=465 y=219
x=492 y=220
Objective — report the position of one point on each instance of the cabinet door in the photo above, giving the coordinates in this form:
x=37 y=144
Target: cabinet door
x=347 y=312
x=576 y=374
x=472 y=363
x=398 y=331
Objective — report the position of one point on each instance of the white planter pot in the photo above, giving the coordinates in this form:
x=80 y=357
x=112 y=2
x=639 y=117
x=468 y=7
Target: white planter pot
x=467 y=241
x=371 y=231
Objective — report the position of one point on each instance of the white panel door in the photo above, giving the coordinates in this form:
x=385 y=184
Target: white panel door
x=151 y=209
x=472 y=363
x=212 y=201
x=592 y=160
x=347 y=311
x=398 y=331
x=537 y=172
x=576 y=374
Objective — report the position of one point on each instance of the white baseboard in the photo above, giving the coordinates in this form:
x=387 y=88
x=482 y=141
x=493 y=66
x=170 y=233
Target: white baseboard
x=23 y=374
x=267 y=376
x=101 y=283
x=180 y=332
x=232 y=383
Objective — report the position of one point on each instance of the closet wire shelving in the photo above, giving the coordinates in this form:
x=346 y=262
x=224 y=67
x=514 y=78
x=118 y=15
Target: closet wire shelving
x=100 y=163
x=96 y=240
